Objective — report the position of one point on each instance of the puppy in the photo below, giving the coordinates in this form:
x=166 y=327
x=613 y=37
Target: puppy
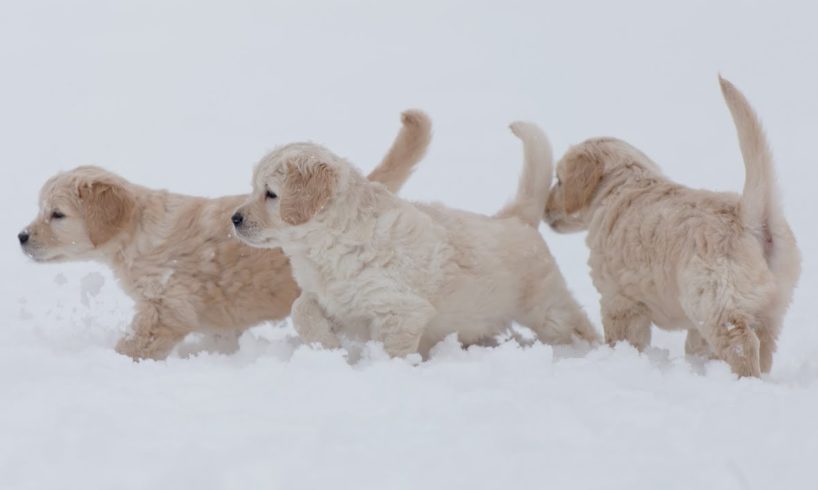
x=373 y=266
x=721 y=265
x=175 y=255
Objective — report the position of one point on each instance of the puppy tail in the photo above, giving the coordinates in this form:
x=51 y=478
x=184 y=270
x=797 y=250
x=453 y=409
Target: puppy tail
x=759 y=207
x=532 y=190
x=408 y=149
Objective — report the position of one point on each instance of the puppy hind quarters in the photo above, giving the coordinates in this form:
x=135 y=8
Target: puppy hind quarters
x=535 y=180
x=720 y=299
x=734 y=342
x=697 y=345
x=406 y=151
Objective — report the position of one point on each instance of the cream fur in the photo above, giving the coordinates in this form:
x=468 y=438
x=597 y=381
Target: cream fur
x=176 y=255
x=720 y=265
x=373 y=266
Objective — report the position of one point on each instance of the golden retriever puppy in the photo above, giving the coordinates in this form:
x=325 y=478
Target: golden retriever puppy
x=721 y=265
x=176 y=255
x=373 y=266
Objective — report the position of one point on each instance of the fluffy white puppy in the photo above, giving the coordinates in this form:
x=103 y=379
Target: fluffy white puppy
x=408 y=274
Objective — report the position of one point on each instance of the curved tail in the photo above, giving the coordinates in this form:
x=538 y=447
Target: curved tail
x=759 y=203
x=759 y=208
x=408 y=149
x=532 y=190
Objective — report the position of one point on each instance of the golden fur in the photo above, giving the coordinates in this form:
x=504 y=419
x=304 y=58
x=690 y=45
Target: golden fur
x=305 y=192
x=373 y=266
x=720 y=265
x=176 y=255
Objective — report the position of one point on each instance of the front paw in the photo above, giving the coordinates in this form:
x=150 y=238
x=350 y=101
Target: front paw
x=139 y=347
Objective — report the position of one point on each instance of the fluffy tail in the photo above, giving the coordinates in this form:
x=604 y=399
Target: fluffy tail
x=759 y=208
x=532 y=191
x=408 y=149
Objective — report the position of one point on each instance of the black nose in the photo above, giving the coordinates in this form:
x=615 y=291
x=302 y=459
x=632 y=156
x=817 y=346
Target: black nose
x=23 y=237
x=237 y=219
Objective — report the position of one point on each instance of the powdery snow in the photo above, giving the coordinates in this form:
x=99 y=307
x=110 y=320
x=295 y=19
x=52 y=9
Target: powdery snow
x=90 y=286
x=187 y=96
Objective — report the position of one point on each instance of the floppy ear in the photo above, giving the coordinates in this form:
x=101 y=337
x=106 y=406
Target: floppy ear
x=106 y=208
x=582 y=177
x=306 y=191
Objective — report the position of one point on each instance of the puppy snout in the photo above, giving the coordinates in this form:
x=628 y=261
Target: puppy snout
x=23 y=236
x=237 y=219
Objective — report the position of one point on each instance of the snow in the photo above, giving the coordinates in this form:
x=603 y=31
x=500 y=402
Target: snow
x=90 y=286
x=188 y=95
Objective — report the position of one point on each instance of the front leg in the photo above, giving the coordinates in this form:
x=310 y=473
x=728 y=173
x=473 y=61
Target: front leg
x=312 y=324
x=150 y=336
x=624 y=319
x=696 y=345
x=401 y=325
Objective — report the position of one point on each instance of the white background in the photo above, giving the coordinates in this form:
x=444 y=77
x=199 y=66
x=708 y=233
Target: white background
x=187 y=95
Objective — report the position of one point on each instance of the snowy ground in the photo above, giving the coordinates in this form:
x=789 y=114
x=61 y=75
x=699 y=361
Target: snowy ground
x=187 y=95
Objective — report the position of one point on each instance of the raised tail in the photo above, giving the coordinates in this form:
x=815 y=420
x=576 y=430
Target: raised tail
x=532 y=190
x=759 y=208
x=408 y=149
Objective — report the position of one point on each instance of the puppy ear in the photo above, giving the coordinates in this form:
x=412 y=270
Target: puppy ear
x=582 y=177
x=106 y=208
x=306 y=190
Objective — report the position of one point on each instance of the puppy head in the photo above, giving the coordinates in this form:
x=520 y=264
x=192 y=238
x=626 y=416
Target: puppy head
x=581 y=173
x=80 y=212
x=292 y=187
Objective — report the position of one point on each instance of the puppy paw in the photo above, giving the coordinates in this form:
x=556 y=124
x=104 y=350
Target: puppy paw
x=140 y=347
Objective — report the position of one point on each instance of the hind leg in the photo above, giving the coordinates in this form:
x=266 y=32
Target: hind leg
x=556 y=317
x=735 y=343
x=624 y=319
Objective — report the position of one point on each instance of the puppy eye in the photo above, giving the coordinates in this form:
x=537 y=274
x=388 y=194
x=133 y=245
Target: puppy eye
x=57 y=215
x=271 y=195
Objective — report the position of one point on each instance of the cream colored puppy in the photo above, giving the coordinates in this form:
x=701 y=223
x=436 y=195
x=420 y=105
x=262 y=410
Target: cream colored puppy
x=175 y=255
x=372 y=265
x=720 y=265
